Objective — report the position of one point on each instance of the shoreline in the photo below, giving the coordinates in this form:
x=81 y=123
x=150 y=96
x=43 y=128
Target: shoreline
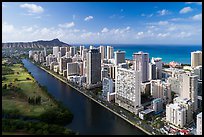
x=148 y=133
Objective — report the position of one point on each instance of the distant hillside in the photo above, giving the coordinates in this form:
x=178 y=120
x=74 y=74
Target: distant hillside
x=35 y=44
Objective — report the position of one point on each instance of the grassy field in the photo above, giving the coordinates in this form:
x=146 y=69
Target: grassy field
x=16 y=133
x=29 y=88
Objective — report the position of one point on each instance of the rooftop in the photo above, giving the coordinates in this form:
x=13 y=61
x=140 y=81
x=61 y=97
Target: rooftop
x=146 y=111
x=200 y=114
x=197 y=51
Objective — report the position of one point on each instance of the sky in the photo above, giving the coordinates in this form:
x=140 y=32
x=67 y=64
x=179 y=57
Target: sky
x=103 y=22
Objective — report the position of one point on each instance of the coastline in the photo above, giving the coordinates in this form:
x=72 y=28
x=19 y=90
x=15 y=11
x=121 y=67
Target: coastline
x=148 y=133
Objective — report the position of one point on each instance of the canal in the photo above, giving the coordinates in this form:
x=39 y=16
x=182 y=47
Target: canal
x=89 y=117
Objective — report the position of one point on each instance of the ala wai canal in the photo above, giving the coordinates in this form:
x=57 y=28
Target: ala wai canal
x=89 y=117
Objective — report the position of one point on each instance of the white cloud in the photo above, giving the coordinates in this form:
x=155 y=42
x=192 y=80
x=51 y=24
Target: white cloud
x=178 y=33
x=120 y=30
x=185 y=10
x=104 y=30
x=27 y=29
x=32 y=8
x=67 y=25
x=87 y=34
x=76 y=30
x=171 y=28
x=199 y=3
x=163 y=22
x=163 y=12
x=163 y=35
x=88 y=18
x=184 y=34
x=7 y=28
x=140 y=33
x=197 y=17
x=128 y=28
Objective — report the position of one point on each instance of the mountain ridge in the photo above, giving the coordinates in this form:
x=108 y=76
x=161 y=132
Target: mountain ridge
x=35 y=44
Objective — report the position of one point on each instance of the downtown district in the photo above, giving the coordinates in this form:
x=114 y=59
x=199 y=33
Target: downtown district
x=175 y=94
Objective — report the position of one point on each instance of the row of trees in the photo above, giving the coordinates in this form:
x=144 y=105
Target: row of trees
x=39 y=128
x=6 y=70
x=57 y=116
x=34 y=100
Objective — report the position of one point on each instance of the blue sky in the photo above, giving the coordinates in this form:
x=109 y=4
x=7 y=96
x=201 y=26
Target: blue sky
x=103 y=22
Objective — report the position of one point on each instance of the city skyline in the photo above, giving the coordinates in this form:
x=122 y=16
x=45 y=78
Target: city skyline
x=103 y=22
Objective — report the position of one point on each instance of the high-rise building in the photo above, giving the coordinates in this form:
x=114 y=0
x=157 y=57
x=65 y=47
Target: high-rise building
x=63 y=64
x=198 y=71
x=93 y=67
x=72 y=69
x=30 y=54
x=145 y=88
x=110 y=52
x=161 y=89
x=152 y=71
x=189 y=88
x=157 y=105
x=104 y=73
x=45 y=52
x=196 y=58
x=199 y=124
x=55 y=51
x=83 y=57
x=81 y=48
x=80 y=66
x=50 y=58
x=67 y=48
x=102 y=51
x=72 y=51
x=127 y=88
x=141 y=63
x=107 y=86
x=59 y=56
x=119 y=57
x=158 y=63
x=63 y=51
x=179 y=113
x=91 y=47
x=187 y=103
x=175 y=114
x=68 y=55
x=174 y=84
x=112 y=71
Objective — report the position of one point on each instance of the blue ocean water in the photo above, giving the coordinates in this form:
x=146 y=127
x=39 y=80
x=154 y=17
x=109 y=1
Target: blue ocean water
x=168 y=53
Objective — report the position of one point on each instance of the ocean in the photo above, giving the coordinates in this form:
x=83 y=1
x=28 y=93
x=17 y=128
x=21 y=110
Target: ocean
x=168 y=53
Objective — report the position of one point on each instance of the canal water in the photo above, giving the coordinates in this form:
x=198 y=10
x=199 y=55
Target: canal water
x=89 y=117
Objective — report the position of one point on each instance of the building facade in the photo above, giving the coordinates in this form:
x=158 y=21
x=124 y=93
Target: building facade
x=161 y=89
x=55 y=51
x=110 y=52
x=196 y=58
x=199 y=124
x=93 y=67
x=119 y=57
x=189 y=88
x=127 y=88
x=141 y=63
